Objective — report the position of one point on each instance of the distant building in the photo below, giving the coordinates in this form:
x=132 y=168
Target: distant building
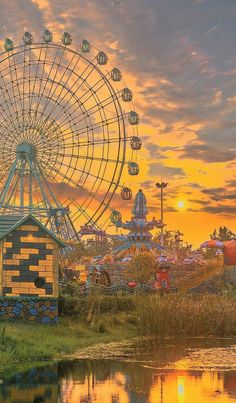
x=29 y=270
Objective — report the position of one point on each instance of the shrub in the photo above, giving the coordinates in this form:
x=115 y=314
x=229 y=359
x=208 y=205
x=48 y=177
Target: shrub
x=75 y=306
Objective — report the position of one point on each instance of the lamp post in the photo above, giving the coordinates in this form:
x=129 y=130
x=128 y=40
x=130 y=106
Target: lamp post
x=162 y=186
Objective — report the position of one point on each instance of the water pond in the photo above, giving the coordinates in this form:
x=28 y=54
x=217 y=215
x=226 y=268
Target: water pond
x=170 y=371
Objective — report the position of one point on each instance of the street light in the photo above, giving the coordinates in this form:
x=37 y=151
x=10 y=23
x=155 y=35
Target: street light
x=162 y=185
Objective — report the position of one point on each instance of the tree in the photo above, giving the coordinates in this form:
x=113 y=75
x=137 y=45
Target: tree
x=72 y=254
x=222 y=234
x=94 y=247
x=173 y=241
x=141 y=267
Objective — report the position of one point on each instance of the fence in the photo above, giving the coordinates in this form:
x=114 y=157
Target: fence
x=83 y=290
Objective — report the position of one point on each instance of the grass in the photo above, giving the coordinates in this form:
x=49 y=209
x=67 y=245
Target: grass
x=24 y=342
x=187 y=315
x=102 y=319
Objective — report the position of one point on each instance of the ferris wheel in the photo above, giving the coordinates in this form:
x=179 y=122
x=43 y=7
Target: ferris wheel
x=66 y=137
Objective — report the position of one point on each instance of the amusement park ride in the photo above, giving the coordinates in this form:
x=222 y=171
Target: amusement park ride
x=139 y=228
x=64 y=142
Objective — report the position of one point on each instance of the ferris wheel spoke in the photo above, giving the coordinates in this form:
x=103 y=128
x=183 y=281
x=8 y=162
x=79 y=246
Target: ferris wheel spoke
x=23 y=87
x=114 y=94
x=5 y=107
x=83 y=80
x=35 y=77
x=81 y=171
x=6 y=131
x=13 y=90
x=57 y=102
x=40 y=79
x=31 y=110
x=94 y=109
x=9 y=99
x=11 y=68
x=107 y=222
x=52 y=92
x=79 y=77
x=98 y=107
x=84 y=213
x=103 y=141
x=87 y=203
x=73 y=94
x=20 y=80
x=63 y=86
x=99 y=124
x=101 y=80
x=43 y=88
x=102 y=104
x=85 y=157
x=14 y=119
x=9 y=159
x=105 y=102
x=92 y=195
x=96 y=125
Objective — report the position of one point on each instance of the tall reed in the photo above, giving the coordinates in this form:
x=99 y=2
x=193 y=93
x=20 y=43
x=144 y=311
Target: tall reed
x=186 y=315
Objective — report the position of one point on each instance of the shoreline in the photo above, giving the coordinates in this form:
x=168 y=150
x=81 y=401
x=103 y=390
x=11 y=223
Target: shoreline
x=107 y=347
x=101 y=324
x=25 y=343
x=120 y=350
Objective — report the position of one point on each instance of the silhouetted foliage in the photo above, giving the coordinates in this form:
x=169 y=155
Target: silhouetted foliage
x=222 y=234
x=173 y=241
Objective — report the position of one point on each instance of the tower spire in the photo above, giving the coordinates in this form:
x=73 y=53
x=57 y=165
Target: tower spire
x=140 y=209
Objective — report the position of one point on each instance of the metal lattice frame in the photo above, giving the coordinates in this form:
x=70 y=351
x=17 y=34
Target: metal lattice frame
x=62 y=134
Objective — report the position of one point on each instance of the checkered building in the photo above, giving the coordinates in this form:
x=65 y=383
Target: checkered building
x=28 y=266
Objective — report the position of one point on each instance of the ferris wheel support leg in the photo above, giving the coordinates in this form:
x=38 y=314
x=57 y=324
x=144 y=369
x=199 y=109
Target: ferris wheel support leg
x=73 y=227
x=12 y=192
x=22 y=180
x=33 y=169
x=8 y=183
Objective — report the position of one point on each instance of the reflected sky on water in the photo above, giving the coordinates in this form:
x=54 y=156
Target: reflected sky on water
x=193 y=371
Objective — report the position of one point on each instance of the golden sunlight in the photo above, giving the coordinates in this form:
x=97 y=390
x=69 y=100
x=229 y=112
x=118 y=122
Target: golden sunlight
x=181 y=205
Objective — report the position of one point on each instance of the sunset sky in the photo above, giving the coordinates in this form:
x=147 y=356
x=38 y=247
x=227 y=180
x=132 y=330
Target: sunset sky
x=179 y=59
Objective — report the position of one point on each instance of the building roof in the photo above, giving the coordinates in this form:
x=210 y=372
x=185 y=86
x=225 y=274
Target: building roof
x=10 y=222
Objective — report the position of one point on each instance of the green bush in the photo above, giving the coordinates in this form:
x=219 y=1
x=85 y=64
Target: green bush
x=77 y=306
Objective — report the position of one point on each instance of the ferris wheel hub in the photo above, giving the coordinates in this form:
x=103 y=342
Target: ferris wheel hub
x=26 y=149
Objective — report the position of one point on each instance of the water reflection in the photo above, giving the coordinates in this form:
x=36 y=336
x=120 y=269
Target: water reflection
x=37 y=385
x=131 y=382
x=149 y=374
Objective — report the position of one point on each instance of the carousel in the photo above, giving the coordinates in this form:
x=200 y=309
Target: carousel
x=110 y=269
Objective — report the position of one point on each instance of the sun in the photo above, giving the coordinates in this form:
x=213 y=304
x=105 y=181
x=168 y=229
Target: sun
x=181 y=204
